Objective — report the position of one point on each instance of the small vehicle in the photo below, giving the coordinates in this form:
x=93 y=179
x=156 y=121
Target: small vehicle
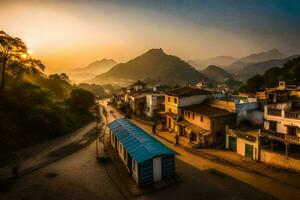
x=128 y=116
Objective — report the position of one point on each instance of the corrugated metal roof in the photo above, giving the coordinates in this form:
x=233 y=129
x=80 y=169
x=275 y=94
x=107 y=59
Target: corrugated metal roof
x=139 y=144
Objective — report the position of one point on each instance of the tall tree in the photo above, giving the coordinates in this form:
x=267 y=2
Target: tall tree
x=14 y=52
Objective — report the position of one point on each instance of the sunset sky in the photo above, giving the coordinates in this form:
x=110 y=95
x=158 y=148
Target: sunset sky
x=71 y=34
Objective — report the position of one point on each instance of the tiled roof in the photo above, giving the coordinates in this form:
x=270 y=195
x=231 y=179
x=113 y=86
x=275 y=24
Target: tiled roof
x=207 y=110
x=187 y=91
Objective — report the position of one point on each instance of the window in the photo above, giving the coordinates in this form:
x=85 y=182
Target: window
x=175 y=100
x=292 y=130
x=272 y=126
x=201 y=118
x=169 y=99
x=170 y=110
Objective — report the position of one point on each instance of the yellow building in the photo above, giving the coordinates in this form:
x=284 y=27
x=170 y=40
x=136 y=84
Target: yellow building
x=176 y=100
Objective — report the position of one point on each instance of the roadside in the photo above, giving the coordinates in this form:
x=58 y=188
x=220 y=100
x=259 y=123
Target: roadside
x=281 y=184
x=37 y=156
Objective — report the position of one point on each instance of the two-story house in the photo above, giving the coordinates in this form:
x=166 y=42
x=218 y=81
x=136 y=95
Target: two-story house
x=154 y=104
x=282 y=124
x=176 y=100
x=207 y=124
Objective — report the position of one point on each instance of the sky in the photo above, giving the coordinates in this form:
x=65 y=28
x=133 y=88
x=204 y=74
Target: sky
x=71 y=34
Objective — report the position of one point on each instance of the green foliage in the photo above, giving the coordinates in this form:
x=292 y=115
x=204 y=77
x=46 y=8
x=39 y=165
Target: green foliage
x=15 y=57
x=32 y=106
x=290 y=72
x=81 y=100
x=254 y=84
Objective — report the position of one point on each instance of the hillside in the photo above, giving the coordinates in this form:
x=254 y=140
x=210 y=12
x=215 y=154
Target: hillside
x=94 y=68
x=289 y=72
x=216 y=73
x=218 y=61
x=154 y=64
x=263 y=56
x=261 y=67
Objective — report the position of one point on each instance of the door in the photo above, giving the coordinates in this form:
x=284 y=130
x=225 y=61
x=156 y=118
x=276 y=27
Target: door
x=156 y=169
x=169 y=123
x=249 y=151
x=232 y=143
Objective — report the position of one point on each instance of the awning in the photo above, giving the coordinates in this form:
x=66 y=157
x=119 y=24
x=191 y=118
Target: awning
x=197 y=129
x=184 y=123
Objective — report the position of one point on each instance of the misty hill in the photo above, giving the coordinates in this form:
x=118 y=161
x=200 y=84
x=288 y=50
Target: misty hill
x=216 y=73
x=234 y=65
x=239 y=65
x=289 y=72
x=261 y=67
x=155 y=65
x=94 y=68
x=218 y=61
x=263 y=56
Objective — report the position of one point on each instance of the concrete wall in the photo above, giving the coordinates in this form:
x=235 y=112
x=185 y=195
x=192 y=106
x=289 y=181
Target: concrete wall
x=282 y=122
x=206 y=123
x=222 y=104
x=241 y=143
x=279 y=160
x=192 y=100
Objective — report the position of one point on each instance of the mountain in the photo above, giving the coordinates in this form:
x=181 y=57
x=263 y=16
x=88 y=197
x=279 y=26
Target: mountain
x=262 y=56
x=99 y=67
x=216 y=73
x=155 y=65
x=262 y=67
x=94 y=68
x=235 y=67
x=218 y=61
x=289 y=71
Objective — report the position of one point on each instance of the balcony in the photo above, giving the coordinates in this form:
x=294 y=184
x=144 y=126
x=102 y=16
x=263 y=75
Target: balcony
x=281 y=137
x=292 y=114
x=274 y=112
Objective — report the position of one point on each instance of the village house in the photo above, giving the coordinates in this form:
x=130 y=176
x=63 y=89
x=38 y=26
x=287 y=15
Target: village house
x=146 y=158
x=282 y=125
x=135 y=102
x=241 y=105
x=205 y=125
x=244 y=140
x=176 y=100
x=154 y=104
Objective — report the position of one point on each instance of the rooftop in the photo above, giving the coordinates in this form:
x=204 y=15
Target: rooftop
x=139 y=144
x=187 y=91
x=207 y=110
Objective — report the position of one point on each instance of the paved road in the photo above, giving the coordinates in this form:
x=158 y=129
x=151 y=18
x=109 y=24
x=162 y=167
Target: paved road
x=80 y=176
x=199 y=181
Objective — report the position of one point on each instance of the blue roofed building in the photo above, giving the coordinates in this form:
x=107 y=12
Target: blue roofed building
x=146 y=158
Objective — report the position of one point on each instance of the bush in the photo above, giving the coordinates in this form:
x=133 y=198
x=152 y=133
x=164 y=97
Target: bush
x=81 y=100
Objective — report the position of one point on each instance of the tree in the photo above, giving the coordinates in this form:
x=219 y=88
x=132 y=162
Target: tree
x=14 y=52
x=81 y=100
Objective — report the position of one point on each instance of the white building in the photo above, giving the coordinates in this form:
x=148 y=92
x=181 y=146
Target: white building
x=154 y=103
x=282 y=123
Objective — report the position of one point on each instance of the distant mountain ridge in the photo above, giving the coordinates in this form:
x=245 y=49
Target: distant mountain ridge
x=233 y=65
x=155 y=64
x=216 y=73
x=94 y=68
x=221 y=61
x=261 y=67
